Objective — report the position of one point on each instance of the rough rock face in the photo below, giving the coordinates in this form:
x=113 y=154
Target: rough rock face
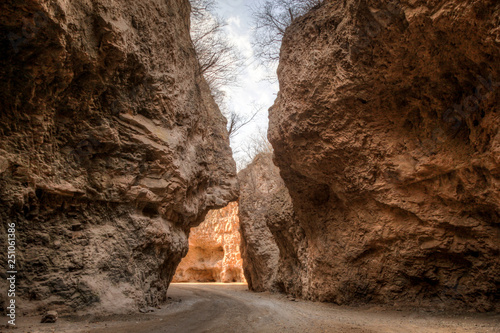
x=214 y=249
x=273 y=244
x=258 y=248
x=385 y=130
x=111 y=149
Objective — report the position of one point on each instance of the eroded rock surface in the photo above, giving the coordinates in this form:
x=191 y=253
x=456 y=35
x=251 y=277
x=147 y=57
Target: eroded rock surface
x=258 y=247
x=273 y=243
x=385 y=130
x=214 y=249
x=111 y=149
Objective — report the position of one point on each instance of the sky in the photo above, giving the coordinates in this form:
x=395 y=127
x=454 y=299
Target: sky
x=253 y=88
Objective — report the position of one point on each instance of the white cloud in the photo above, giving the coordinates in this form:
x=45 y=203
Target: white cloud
x=234 y=20
x=253 y=89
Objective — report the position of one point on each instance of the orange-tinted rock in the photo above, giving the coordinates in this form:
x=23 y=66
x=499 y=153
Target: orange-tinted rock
x=386 y=133
x=214 y=249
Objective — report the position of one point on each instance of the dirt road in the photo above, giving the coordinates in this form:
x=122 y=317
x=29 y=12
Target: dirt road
x=232 y=308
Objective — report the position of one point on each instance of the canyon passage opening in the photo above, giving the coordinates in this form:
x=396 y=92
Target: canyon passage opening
x=214 y=250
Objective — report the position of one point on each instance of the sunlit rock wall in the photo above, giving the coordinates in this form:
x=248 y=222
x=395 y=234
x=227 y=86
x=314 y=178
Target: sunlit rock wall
x=214 y=249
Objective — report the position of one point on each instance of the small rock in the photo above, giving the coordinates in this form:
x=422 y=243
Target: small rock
x=146 y=310
x=49 y=317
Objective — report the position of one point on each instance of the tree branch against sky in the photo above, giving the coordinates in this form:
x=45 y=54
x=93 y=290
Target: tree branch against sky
x=219 y=60
x=237 y=121
x=271 y=18
x=239 y=83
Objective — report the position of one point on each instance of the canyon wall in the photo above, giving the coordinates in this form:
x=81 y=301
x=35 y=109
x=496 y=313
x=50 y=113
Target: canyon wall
x=273 y=242
x=111 y=149
x=385 y=131
x=258 y=248
x=214 y=249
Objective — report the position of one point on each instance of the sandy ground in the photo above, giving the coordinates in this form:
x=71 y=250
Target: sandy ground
x=232 y=308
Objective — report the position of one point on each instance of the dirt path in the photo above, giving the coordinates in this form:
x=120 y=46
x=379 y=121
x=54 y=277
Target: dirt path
x=232 y=308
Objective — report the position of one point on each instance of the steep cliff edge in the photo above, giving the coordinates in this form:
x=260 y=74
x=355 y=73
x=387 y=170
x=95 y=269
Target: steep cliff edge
x=214 y=249
x=385 y=131
x=111 y=149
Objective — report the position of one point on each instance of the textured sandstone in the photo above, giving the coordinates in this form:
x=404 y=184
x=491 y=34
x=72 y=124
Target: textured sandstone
x=258 y=249
x=214 y=249
x=385 y=131
x=111 y=149
x=273 y=244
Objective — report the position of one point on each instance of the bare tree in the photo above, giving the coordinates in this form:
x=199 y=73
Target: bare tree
x=219 y=60
x=271 y=18
x=220 y=64
x=236 y=121
x=256 y=144
x=200 y=8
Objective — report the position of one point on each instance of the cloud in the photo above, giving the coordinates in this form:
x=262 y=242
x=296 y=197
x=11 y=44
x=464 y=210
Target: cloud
x=253 y=90
x=234 y=20
x=239 y=37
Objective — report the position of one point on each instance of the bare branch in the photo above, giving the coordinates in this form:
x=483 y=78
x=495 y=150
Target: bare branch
x=271 y=18
x=255 y=145
x=237 y=121
x=219 y=59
